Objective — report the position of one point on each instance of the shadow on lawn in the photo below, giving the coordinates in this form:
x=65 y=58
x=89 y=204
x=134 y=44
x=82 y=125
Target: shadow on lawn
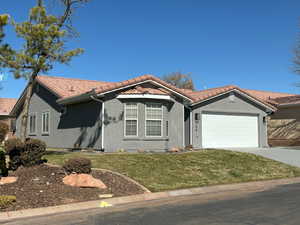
x=56 y=152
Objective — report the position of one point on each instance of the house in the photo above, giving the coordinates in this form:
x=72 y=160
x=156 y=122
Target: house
x=143 y=113
x=284 y=125
x=6 y=105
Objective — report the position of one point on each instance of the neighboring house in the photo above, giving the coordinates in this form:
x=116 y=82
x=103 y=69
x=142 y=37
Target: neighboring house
x=6 y=105
x=144 y=113
x=284 y=124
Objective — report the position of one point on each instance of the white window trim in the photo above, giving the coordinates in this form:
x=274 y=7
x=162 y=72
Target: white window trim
x=137 y=120
x=42 y=131
x=162 y=121
x=35 y=118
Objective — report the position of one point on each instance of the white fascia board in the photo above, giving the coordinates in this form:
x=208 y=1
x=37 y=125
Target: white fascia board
x=148 y=96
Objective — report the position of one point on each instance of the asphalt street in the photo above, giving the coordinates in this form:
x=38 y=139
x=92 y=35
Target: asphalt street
x=278 y=206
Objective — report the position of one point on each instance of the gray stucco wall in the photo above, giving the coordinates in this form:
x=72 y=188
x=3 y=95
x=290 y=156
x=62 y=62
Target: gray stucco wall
x=222 y=104
x=114 y=138
x=80 y=125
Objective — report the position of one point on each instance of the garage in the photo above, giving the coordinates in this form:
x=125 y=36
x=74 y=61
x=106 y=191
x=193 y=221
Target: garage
x=229 y=130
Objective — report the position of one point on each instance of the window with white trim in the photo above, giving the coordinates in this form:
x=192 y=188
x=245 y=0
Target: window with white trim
x=154 y=117
x=45 y=122
x=131 y=119
x=32 y=123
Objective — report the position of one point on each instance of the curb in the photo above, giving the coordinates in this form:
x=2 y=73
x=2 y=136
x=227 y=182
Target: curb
x=250 y=186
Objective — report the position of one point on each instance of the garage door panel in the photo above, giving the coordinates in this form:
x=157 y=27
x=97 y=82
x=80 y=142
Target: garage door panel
x=220 y=130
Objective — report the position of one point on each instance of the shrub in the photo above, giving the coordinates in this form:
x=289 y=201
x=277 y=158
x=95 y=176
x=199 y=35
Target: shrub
x=33 y=152
x=25 y=154
x=78 y=165
x=6 y=201
x=3 y=131
x=3 y=168
x=14 y=147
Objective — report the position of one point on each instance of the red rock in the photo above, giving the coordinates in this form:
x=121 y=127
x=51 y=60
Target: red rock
x=83 y=180
x=8 y=180
x=174 y=149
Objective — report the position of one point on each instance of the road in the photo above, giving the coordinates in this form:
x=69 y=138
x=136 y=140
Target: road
x=277 y=206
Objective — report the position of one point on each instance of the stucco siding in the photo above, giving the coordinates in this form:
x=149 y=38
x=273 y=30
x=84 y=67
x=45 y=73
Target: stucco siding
x=79 y=126
x=114 y=135
x=223 y=104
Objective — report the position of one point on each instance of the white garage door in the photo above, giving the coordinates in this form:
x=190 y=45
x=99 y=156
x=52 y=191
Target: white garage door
x=220 y=130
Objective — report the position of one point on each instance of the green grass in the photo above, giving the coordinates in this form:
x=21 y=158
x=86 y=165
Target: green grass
x=159 y=172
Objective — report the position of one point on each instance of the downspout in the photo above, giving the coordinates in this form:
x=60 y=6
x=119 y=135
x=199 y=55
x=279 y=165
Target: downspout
x=102 y=120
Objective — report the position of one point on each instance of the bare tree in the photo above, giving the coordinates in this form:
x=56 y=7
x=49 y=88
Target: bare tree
x=180 y=80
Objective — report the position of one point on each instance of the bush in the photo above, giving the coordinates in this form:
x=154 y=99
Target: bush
x=14 y=147
x=6 y=200
x=78 y=165
x=3 y=168
x=33 y=152
x=25 y=154
x=3 y=131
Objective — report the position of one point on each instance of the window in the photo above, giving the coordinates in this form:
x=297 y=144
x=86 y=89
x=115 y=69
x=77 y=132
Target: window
x=154 y=117
x=32 y=123
x=45 y=122
x=131 y=119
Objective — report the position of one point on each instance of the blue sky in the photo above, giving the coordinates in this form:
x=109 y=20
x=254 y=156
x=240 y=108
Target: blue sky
x=246 y=43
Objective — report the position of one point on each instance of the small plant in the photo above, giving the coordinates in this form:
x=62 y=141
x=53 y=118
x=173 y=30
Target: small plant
x=121 y=150
x=3 y=168
x=14 y=147
x=78 y=165
x=33 y=152
x=3 y=131
x=6 y=201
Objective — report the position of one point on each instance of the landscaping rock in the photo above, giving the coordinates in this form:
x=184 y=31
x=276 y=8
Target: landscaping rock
x=8 y=180
x=83 y=180
x=174 y=149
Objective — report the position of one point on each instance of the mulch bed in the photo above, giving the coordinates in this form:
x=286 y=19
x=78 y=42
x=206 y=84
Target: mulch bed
x=42 y=186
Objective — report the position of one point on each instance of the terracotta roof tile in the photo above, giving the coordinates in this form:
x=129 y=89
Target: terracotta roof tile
x=66 y=87
x=199 y=96
x=267 y=95
x=6 y=105
x=287 y=100
x=69 y=87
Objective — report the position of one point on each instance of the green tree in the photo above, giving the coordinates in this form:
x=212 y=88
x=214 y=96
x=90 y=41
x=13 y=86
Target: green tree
x=180 y=80
x=44 y=37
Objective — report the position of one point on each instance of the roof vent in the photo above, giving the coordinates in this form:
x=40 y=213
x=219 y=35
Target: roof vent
x=232 y=97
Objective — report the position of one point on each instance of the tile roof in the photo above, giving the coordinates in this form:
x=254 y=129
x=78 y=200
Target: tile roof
x=67 y=87
x=288 y=100
x=267 y=95
x=6 y=105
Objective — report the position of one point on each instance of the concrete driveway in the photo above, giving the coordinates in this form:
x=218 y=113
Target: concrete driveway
x=289 y=156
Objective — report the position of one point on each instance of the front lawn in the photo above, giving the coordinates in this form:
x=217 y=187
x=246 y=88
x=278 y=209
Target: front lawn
x=159 y=172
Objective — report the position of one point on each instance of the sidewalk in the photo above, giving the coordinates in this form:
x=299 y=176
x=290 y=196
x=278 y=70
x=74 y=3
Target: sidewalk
x=250 y=186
